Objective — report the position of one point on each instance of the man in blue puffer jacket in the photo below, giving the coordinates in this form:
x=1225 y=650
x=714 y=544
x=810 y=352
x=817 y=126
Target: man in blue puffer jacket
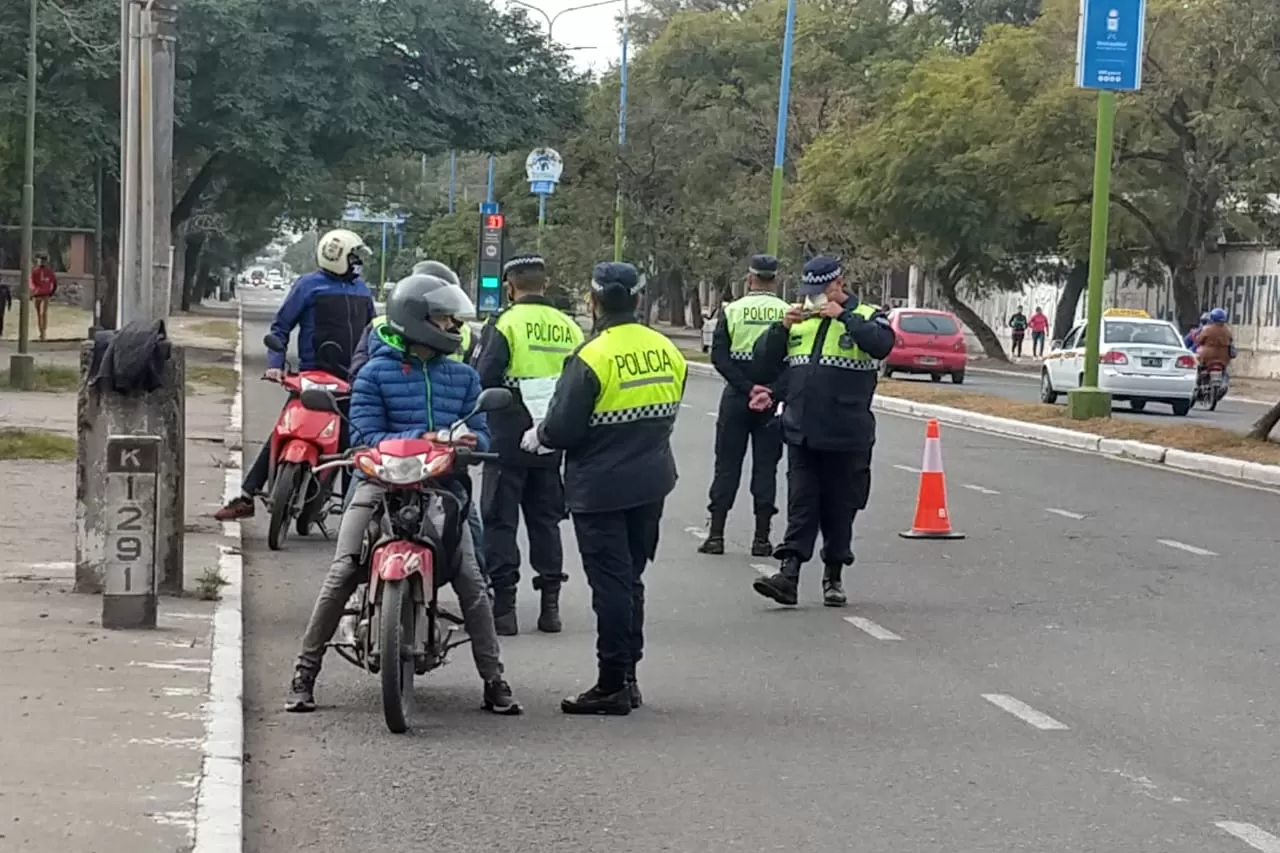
x=409 y=389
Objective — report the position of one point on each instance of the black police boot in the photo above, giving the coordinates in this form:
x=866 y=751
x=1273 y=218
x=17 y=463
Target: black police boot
x=549 y=615
x=714 y=543
x=832 y=589
x=600 y=702
x=783 y=586
x=636 y=698
x=504 y=612
x=760 y=545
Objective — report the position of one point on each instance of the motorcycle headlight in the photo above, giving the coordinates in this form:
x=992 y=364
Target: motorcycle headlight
x=402 y=470
x=308 y=384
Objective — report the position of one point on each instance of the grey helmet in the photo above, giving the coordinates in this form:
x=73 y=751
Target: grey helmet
x=418 y=298
x=436 y=269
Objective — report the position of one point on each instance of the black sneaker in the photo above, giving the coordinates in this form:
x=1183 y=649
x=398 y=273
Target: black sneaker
x=595 y=701
x=301 y=698
x=498 y=699
x=636 y=698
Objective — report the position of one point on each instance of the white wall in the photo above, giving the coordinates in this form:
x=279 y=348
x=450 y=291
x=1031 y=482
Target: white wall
x=1244 y=280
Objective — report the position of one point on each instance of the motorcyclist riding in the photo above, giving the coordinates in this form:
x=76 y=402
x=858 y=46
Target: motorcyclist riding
x=332 y=304
x=1190 y=338
x=1215 y=344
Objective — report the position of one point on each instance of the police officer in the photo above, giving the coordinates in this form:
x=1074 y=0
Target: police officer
x=524 y=347
x=746 y=409
x=831 y=347
x=612 y=414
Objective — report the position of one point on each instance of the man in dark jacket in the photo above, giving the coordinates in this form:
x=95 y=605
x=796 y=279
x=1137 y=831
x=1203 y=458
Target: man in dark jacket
x=832 y=347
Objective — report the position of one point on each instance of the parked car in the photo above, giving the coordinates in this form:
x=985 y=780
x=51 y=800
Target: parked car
x=1141 y=360
x=928 y=342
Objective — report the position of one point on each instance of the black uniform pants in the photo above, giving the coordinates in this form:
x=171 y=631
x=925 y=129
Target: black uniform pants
x=735 y=425
x=825 y=490
x=539 y=492
x=615 y=547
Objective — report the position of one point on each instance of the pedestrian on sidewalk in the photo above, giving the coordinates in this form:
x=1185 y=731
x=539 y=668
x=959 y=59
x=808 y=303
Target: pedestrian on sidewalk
x=746 y=409
x=44 y=283
x=832 y=349
x=1018 y=328
x=6 y=302
x=1039 y=325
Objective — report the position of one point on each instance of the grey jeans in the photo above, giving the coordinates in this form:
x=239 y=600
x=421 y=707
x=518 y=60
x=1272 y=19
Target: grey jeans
x=344 y=576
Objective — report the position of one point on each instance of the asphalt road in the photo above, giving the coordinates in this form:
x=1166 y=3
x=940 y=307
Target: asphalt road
x=1128 y=608
x=1231 y=414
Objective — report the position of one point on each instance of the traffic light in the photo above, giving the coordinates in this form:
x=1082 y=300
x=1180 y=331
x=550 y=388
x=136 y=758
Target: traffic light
x=492 y=225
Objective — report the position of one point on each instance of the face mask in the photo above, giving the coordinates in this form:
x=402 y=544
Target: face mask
x=356 y=268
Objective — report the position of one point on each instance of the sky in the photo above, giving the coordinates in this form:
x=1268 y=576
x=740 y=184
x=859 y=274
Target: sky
x=592 y=30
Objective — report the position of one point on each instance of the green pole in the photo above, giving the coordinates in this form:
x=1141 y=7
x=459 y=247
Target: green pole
x=1089 y=401
x=21 y=369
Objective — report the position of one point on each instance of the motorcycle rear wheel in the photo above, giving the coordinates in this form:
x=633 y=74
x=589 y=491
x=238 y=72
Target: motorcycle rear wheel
x=283 y=495
x=396 y=618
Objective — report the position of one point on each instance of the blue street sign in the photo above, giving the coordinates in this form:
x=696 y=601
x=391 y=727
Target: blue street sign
x=1109 y=44
x=490 y=300
x=542 y=187
x=487 y=207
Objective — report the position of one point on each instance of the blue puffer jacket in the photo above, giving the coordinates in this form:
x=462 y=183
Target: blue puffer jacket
x=397 y=395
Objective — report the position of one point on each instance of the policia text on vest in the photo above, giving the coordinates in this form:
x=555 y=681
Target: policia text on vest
x=742 y=322
x=528 y=341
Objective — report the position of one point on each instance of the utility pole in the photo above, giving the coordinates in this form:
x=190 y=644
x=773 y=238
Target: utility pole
x=162 y=31
x=22 y=365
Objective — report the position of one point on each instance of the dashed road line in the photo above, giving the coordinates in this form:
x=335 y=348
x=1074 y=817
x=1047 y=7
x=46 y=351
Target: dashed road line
x=907 y=468
x=1065 y=513
x=981 y=489
x=1025 y=712
x=696 y=532
x=1258 y=839
x=867 y=626
x=685 y=406
x=714 y=414
x=1190 y=549
x=762 y=568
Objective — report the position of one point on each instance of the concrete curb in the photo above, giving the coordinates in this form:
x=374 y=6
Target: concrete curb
x=1035 y=377
x=220 y=798
x=1181 y=460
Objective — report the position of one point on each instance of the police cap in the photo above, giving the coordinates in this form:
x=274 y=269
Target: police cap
x=818 y=273
x=524 y=262
x=614 y=275
x=763 y=266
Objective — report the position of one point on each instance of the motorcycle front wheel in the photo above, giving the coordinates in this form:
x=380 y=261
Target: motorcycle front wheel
x=396 y=618
x=289 y=477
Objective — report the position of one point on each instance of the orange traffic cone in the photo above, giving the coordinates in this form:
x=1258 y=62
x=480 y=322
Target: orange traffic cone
x=932 y=519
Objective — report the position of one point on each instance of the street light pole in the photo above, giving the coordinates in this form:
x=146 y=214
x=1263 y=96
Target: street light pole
x=22 y=365
x=622 y=133
x=780 y=139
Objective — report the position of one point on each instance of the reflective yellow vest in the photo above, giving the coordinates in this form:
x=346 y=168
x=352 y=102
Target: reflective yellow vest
x=461 y=354
x=539 y=338
x=803 y=339
x=641 y=374
x=748 y=318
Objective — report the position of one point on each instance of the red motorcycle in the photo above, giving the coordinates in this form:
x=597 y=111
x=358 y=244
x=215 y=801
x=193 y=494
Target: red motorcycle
x=297 y=491
x=1211 y=385
x=396 y=630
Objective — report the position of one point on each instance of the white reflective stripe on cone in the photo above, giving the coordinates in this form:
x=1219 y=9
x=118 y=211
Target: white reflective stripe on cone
x=932 y=463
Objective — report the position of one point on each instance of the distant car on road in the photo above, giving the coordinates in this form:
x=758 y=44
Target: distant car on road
x=1141 y=360
x=927 y=342
x=275 y=280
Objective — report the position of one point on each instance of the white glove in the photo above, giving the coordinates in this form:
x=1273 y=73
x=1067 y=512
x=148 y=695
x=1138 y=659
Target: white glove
x=529 y=442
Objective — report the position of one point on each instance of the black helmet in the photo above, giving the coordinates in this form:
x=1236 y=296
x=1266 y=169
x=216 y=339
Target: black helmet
x=436 y=269
x=418 y=298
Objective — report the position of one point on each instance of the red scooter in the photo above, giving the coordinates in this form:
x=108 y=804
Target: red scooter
x=296 y=491
x=410 y=550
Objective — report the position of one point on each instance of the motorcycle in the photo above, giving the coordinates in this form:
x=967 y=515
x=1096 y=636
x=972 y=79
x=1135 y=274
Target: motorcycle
x=1211 y=385
x=396 y=629
x=297 y=491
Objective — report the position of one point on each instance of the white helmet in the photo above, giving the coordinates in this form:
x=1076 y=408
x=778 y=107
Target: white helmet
x=341 y=252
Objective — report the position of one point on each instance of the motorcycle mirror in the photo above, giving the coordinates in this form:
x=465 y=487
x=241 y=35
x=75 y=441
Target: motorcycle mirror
x=493 y=399
x=318 y=400
x=330 y=354
x=273 y=343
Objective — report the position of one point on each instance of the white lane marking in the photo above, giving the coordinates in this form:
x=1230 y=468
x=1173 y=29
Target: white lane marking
x=869 y=627
x=762 y=568
x=1258 y=839
x=696 y=532
x=1190 y=549
x=714 y=414
x=907 y=468
x=983 y=489
x=1024 y=712
x=1065 y=513
x=685 y=406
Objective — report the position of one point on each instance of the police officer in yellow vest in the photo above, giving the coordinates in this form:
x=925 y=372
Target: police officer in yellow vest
x=524 y=348
x=612 y=414
x=746 y=409
x=831 y=348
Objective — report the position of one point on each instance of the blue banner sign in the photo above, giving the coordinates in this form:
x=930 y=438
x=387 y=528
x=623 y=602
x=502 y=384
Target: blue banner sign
x=542 y=187
x=1109 y=45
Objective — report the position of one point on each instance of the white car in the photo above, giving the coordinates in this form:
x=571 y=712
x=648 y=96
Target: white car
x=1141 y=360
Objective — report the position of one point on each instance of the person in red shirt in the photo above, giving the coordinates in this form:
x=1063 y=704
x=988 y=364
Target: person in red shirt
x=43 y=285
x=1039 y=325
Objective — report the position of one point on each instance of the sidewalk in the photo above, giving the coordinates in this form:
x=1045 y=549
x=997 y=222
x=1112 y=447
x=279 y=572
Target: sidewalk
x=104 y=731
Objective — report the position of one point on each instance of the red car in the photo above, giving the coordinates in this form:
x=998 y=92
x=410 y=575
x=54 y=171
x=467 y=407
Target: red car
x=929 y=342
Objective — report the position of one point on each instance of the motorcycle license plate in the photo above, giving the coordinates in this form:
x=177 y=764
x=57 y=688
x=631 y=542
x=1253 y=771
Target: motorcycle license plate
x=1215 y=376
x=927 y=359
x=1152 y=362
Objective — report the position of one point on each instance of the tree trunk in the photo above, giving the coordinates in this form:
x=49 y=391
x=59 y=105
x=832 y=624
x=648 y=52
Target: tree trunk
x=1186 y=296
x=695 y=306
x=1065 y=314
x=674 y=291
x=990 y=343
x=1264 y=425
x=191 y=269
